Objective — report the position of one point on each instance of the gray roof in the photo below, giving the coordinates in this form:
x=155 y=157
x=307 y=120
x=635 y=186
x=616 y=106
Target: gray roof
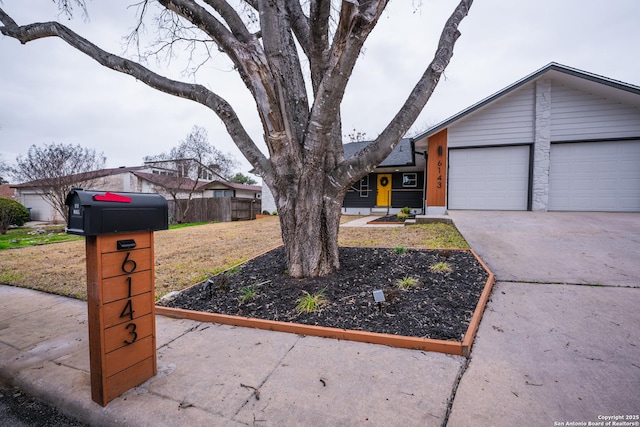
x=551 y=67
x=402 y=155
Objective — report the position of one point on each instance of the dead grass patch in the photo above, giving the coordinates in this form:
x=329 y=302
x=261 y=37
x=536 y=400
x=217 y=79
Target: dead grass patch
x=189 y=255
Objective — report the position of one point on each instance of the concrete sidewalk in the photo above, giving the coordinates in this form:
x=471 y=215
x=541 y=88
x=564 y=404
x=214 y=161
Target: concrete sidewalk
x=364 y=222
x=216 y=375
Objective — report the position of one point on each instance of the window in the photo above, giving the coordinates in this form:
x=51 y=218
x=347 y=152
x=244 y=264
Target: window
x=409 y=180
x=364 y=186
x=205 y=174
x=222 y=193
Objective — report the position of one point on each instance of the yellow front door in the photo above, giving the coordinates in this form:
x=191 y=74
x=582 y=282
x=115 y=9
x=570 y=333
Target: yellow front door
x=384 y=190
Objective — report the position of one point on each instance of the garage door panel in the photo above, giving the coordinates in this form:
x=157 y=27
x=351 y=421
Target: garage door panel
x=489 y=178
x=595 y=176
x=39 y=209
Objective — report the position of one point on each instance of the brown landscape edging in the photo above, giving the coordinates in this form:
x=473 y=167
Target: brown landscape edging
x=441 y=346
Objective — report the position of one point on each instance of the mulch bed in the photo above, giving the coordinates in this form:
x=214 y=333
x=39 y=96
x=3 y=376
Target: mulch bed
x=439 y=306
x=390 y=219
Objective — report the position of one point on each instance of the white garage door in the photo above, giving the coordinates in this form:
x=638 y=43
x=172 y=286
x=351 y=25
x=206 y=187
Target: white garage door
x=595 y=176
x=40 y=210
x=495 y=178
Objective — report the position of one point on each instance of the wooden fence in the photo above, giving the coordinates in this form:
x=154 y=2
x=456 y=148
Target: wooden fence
x=216 y=209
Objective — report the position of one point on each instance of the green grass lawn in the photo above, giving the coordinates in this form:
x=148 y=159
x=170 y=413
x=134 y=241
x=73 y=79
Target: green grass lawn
x=34 y=236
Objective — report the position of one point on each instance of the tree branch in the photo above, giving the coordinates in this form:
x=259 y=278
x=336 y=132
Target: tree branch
x=383 y=145
x=320 y=11
x=355 y=25
x=194 y=92
x=233 y=20
x=282 y=56
x=299 y=24
x=251 y=63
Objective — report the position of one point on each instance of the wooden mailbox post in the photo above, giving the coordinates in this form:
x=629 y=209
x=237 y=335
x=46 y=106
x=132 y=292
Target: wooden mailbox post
x=120 y=285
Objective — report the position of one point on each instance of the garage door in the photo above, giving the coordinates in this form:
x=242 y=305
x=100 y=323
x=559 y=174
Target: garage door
x=595 y=176
x=495 y=178
x=40 y=210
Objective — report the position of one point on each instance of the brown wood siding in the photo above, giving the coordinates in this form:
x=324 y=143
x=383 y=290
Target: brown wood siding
x=437 y=169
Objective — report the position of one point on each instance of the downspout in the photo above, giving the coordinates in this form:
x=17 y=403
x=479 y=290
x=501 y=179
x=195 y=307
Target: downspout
x=424 y=185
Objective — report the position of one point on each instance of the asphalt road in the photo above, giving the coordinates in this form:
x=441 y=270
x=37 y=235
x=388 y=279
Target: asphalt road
x=19 y=410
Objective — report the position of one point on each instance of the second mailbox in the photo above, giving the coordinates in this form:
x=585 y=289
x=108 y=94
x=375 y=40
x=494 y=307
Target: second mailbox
x=93 y=213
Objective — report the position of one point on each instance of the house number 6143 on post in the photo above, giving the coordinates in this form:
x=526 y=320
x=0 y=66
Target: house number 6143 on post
x=129 y=266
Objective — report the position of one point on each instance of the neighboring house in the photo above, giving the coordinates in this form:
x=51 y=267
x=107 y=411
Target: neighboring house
x=560 y=139
x=7 y=191
x=31 y=193
x=221 y=188
x=139 y=179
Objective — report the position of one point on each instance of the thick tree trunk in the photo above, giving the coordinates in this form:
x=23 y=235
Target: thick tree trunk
x=310 y=219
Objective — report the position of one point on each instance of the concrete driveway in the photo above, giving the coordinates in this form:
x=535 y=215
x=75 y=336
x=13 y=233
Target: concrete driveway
x=556 y=247
x=554 y=352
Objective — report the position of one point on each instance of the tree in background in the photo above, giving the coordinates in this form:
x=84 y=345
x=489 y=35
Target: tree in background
x=190 y=163
x=57 y=168
x=241 y=178
x=356 y=136
x=194 y=155
x=295 y=58
x=4 y=169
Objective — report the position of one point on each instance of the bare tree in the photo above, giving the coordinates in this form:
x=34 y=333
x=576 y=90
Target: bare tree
x=4 y=169
x=195 y=147
x=57 y=168
x=191 y=162
x=305 y=167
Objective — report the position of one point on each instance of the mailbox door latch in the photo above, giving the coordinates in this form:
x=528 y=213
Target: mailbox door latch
x=126 y=244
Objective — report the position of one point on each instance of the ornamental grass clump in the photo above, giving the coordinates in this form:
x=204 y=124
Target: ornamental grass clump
x=400 y=250
x=404 y=213
x=248 y=293
x=310 y=303
x=407 y=282
x=440 y=267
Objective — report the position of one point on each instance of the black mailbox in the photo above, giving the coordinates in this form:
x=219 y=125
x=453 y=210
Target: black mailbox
x=92 y=213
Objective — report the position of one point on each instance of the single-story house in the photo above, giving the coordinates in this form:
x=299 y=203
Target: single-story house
x=560 y=139
x=397 y=182
x=138 y=179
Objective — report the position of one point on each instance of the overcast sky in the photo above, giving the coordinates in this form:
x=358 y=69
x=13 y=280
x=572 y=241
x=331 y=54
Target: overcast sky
x=50 y=92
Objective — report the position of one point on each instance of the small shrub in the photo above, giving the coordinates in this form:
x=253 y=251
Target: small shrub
x=310 y=303
x=406 y=283
x=402 y=215
x=248 y=293
x=275 y=213
x=400 y=250
x=233 y=270
x=440 y=267
x=12 y=213
x=406 y=210
x=266 y=213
